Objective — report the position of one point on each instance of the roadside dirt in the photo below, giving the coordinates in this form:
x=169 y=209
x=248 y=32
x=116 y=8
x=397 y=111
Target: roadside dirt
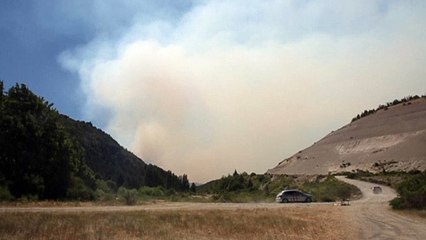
x=373 y=218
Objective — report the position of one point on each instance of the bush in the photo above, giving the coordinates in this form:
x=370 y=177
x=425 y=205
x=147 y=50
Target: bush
x=330 y=190
x=151 y=191
x=5 y=195
x=79 y=191
x=130 y=196
x=105 y=190
x=100 y=195
x=397 y=203
x=412 y=193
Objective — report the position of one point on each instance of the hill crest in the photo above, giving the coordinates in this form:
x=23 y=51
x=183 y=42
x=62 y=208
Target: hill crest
x=389 y=139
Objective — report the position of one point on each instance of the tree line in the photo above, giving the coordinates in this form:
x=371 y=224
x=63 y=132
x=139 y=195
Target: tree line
x=46 y=155
x=385 y=107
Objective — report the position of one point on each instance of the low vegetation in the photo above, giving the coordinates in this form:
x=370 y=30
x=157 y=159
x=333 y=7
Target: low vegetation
x=412 y=193
x=319 y=222
x=388 y=178
x=263 y=188
x=236 y=188
x=330 y=189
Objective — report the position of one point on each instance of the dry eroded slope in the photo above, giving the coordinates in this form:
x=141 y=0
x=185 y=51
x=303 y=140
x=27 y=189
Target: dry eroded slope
x=394 y=139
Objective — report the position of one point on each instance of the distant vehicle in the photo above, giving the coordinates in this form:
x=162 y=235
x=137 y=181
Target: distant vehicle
x=345 y=202
x=377 y=189
x=293 y=195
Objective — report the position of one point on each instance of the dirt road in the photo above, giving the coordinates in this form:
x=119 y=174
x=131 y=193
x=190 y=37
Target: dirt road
x=373 y=218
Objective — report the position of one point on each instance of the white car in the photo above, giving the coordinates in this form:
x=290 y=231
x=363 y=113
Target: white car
x=293 y=195
x=376 y=189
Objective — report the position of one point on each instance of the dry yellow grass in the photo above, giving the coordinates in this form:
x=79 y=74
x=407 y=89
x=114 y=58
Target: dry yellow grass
x=314 y=222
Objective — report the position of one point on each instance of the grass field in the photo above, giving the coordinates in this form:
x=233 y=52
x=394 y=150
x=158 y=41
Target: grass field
x=313 y=222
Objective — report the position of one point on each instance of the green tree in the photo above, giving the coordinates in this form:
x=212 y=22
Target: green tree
x=37 y=156
x=184 y=183
x=193 y=188
x=1 y=94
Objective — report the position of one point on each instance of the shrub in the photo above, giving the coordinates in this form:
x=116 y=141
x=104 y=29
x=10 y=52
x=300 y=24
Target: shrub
x=5 y=195
x=130 y=196
x=100 y=195
x=330 y=190
x=105 y=190
x=151 y=191
x=78 y=190
x=397 y=203
x=412 y=193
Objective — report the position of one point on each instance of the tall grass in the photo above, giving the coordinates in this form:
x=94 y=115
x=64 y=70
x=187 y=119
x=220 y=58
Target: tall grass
x=320 y=222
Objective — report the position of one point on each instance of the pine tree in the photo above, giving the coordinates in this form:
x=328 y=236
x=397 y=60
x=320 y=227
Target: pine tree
x=193 y=188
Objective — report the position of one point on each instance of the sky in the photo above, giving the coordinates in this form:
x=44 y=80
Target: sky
x=211 y=86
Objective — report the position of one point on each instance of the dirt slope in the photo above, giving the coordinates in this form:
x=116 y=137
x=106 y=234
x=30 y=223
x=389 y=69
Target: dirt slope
x=372 y=218
x=394 y=139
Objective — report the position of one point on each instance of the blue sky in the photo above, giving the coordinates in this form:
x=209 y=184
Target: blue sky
x=35 y=33
x=206 y=87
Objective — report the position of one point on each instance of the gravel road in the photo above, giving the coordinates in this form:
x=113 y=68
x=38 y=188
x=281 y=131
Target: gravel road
x=373 y=218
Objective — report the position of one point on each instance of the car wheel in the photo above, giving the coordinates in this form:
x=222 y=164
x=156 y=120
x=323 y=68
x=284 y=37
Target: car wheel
x=308 y=200
x=285 y=200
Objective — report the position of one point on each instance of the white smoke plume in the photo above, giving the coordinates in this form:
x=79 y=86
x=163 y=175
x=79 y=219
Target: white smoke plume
x=243 y=84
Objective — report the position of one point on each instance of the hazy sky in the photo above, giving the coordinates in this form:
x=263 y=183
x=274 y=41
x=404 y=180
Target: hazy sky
x=206 y=87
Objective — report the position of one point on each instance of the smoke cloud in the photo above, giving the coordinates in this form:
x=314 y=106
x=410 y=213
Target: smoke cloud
x=241 y=85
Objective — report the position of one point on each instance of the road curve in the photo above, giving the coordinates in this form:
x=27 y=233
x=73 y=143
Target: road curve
x=373 y=218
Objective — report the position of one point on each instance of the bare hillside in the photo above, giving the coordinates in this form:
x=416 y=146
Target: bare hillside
x=392 y=138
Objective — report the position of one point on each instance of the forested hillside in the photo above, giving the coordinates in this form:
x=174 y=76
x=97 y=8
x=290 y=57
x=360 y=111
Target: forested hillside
x=110 y=161
x=46 y=155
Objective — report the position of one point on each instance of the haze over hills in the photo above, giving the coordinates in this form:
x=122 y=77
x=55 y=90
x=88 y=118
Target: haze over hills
x=392 y=137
